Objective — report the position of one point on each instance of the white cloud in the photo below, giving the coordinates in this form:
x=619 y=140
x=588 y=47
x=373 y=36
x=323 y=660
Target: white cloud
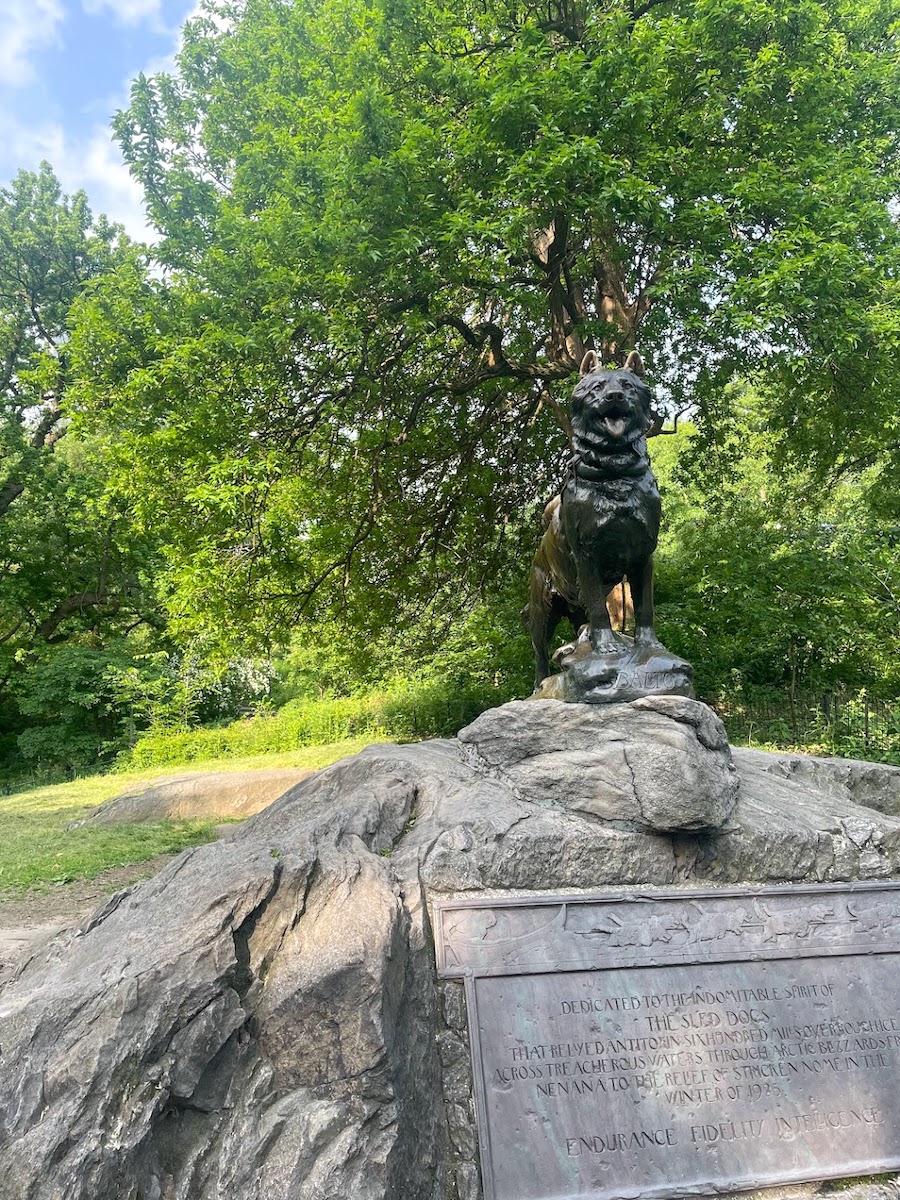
x=129 y=12
x=97 y=166
x=92 y=163
x=91 y=160
x=27 y=25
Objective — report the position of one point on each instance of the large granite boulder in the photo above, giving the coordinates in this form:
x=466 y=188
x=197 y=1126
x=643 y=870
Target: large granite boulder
x=660 y=763
x=262 y=1020
x=871 y=784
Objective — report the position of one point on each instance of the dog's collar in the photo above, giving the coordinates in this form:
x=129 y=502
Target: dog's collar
x=619 y=466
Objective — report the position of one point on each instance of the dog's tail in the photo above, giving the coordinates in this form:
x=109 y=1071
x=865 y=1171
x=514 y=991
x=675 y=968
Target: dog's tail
x=550 y=512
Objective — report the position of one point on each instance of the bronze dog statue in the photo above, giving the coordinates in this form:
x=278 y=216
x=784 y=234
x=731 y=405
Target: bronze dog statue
x=603 y=528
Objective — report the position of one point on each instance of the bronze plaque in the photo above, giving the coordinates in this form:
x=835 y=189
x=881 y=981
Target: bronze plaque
x=675 y=1043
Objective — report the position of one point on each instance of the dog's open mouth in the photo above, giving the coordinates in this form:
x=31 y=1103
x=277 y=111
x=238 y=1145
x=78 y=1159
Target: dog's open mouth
x=615 y=420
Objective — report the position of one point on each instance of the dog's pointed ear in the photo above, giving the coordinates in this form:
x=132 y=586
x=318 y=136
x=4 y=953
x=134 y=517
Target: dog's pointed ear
x=590 y=362
x=635 y=364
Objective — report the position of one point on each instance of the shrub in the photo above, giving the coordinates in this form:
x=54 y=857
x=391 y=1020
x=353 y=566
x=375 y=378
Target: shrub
x=403 y=714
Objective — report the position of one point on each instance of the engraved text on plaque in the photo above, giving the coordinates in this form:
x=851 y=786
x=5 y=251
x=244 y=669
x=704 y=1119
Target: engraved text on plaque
x=680 y=1042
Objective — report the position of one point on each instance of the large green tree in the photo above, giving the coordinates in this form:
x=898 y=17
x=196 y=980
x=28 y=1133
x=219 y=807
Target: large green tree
x=75 y=573
x=767 y=587
x=390 y=228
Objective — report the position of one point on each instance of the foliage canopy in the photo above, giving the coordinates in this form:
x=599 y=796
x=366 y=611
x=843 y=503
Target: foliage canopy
x=389 y=228
x=69 y=560
x=84 y=650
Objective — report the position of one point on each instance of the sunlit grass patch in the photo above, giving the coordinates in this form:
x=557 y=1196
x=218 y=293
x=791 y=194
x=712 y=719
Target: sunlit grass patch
x=38 y=847
x=43 y=852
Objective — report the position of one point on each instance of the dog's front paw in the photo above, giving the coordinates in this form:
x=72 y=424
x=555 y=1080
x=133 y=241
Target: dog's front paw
x=606 y=642
x=647 y=639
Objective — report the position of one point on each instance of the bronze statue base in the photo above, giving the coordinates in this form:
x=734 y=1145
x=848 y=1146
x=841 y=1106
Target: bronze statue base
x=630 y=673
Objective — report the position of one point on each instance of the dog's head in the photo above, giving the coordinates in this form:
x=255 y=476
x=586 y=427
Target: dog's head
x=611 y=408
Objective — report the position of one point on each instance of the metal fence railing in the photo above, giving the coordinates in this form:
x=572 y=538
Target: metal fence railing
x=833 y=722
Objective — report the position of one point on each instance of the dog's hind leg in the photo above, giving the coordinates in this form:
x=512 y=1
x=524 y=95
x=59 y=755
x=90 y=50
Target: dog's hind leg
x=541 y=616
x=577 y=618
x=542 y=623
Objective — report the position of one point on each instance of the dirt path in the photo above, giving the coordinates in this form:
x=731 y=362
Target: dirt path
x=28 y=921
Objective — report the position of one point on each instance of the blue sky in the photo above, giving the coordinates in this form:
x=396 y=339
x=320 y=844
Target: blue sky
x=65 y=68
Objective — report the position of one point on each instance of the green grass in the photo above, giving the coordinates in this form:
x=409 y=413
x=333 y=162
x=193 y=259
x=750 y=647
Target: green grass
x=816 y=749
x=406 y=715
x=38 y=848
x=311 y=757
x=36 y=852
x=842 y=1185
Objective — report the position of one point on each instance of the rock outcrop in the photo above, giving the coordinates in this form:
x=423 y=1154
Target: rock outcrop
x=262 y=1021
x=661 y=763
x=871 y=784
x=194 y=794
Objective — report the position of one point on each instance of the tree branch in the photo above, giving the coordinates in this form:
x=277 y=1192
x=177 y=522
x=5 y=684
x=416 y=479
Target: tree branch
x=656 y=429
x=10 y=493
x=49 y=626
x=42 y=435
x=637 y=13
x=15 y=629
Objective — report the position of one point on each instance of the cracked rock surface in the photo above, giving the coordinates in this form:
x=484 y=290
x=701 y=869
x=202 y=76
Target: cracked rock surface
x=661 y=763
x=871 y=784
x=261 y=1021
